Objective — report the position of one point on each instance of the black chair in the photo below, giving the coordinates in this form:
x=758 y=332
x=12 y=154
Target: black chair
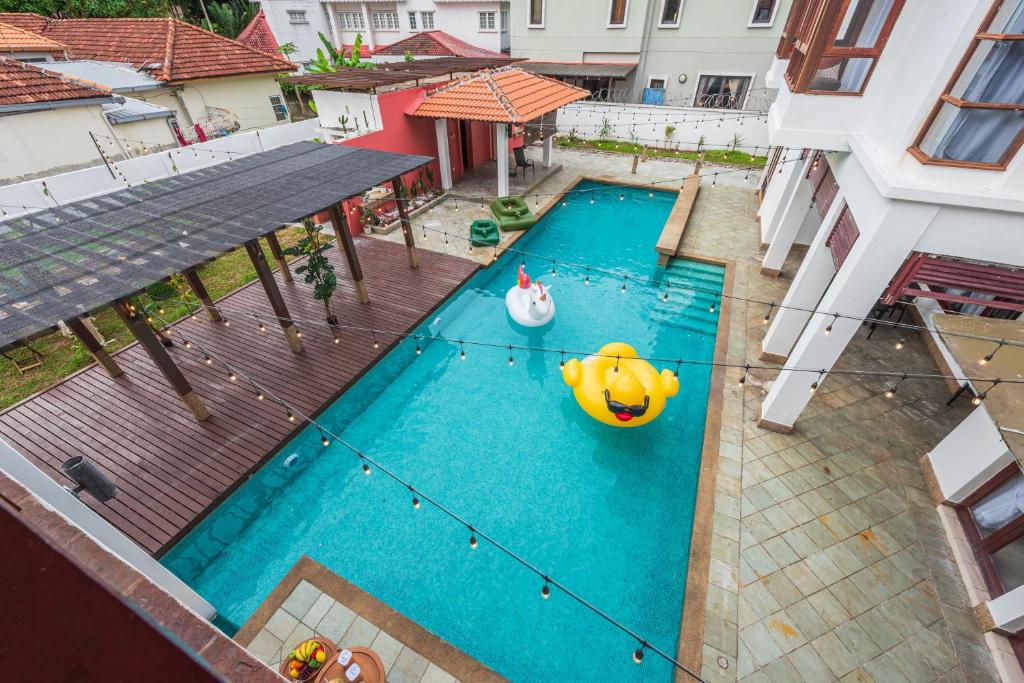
x=524 y=163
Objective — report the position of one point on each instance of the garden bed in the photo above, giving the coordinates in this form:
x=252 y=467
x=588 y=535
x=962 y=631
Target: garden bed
x=733 y=157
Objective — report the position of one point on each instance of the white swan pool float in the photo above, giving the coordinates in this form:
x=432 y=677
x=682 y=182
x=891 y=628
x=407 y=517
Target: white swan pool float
x=530 y=303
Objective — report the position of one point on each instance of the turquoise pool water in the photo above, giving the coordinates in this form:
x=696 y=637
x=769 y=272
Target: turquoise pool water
x=606 y=511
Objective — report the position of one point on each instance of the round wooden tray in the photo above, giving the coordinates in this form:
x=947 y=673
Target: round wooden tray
x=369 y=663
x=330 y=649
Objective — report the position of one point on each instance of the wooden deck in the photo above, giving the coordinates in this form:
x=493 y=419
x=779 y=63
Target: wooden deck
x=672 y=235
x=170 y=468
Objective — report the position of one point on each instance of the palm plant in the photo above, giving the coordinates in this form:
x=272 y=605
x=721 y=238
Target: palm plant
x=231 y=16
x=317 y=270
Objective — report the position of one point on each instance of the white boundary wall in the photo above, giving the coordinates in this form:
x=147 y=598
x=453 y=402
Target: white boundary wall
x=97 y=180
x=647 y=122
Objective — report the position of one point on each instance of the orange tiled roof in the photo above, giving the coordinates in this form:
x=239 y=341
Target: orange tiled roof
x=171 y=49
x=258 y=35
x=23 y=83
x=435 y=44
x=26 y=21
x=509 y=95
x=14 y=39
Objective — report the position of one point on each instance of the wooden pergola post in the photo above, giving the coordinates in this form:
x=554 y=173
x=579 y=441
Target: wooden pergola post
x=278 y=253
x=93 y=346
x=199 y=289
x=403 y=215
x=348 y=247
x=136 y=323
x=259 y=261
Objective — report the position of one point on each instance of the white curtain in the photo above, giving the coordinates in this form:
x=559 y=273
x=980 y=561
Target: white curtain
x=1000 y=507
x=983 y=134
x=857 y=67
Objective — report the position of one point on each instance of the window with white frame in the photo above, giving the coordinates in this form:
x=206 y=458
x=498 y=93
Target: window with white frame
x=617 y=10
x=670 y=12
x=763 y=13
x=535 y=14
x=721 y=92
x=351 y=21
x=487 y=21
x=412 y=21
x=504 y=20
x=297 y=16
x=426 y=20
x=384 y=20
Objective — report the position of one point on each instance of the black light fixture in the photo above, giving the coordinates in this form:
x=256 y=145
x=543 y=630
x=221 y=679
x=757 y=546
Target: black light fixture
x=638 y=654
x=545 y=592
x=985 y=360
x=768 y=315
x=88 y=478
x=462 y=351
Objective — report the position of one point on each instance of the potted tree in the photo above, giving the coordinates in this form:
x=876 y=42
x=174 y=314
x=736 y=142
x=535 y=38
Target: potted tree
x=317 y=270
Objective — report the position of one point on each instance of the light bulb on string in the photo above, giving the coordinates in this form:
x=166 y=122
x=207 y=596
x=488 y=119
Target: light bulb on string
x=891 y=391
x=188 y=344
x=743 y=379
x=828 y=329
x=622 y=290
x=988 y=357
x=419 y=350
x=553 y=272
x=415 y=503
x=664 y=297
x=679 y=365
x=259 y=394
x=472 y=537
x=814 y=385
x=586 y=277
x=714 y=179
x=209 y=361
x=622 y=196
x=290 y=414
x=561 y=360
x=232 y=376
x=768 y=315
x=462 y=351
x=511 y=360
x=366 y=468
x=592 y=196
x=714 y=304
x=545 y=591
x=978 y=399
x=373 y=335
x=900 y=344
x=323 y=438
x=638 y=654
x=616 y=368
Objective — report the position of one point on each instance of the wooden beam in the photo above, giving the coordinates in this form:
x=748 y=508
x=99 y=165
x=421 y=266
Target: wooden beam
x=199 y=289
x=252 y=247
x=275 y=249
x=348 y=247
x=93 y=346
x=403 y=215
x=135 y=320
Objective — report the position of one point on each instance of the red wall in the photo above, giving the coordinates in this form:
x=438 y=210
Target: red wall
x=481 y=142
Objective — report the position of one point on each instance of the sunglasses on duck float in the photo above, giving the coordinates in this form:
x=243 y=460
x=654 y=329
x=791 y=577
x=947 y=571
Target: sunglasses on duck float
x=616 y=407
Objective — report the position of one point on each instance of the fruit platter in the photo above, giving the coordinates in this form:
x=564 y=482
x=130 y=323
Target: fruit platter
x=308 y=658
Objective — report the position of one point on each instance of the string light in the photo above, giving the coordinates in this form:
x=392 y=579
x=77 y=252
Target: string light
x=743 y=379
x=545 y=591
x=828 y=330
x=814 y=385
x=232 y=376
x=561 y=360
x=337 y=339
x=586 y=278
x=768 y=315
x=679 y=364
x=323 y=438
x=259 y=394
x=419 y=350
x=900 y=344
x=290 y=414
x=638 y=654
x=462 y=350
x=714 y=305
x=209 y=361
x=988 y=357
x=553 y=273
x=472 y=537
x=891 y=391
x=511 y=360
x=373 y=336
x=617 y=359
x=664 y=297
x=714 y=180
x=624 y=281
x=366 y=468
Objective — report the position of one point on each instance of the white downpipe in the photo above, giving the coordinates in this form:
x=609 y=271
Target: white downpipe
x=60 y=500
x=501 y=152
x=548 y=146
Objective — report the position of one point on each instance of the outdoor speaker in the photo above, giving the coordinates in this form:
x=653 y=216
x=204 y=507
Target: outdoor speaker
x=88 y=478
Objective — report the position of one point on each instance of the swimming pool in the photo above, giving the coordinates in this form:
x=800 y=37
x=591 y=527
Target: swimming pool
x=606 y=511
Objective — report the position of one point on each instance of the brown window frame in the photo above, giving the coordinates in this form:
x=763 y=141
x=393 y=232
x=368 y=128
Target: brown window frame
x=809 y=37
x=984 y=547
x=946 y=98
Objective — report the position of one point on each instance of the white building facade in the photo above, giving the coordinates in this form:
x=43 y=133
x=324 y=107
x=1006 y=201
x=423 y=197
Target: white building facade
x=708 y=53
x=898 y=127
x=483 y=24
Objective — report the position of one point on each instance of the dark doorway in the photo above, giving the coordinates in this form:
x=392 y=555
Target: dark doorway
x=464 y=138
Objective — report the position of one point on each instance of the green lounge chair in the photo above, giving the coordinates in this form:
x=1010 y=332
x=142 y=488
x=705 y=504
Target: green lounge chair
x=512 y=213
x=484 y=233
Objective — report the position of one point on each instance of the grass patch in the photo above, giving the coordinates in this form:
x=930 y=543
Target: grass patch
x=63 y=356
x=711 y=156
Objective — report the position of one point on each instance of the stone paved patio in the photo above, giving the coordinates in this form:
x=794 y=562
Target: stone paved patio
x=828 y=560
x=308 y=611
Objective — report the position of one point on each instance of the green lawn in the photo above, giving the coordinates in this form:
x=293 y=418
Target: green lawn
x=63 y=355
x=715 y=156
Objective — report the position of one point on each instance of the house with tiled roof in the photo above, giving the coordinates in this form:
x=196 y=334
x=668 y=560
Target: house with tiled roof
x=479 y=24
x=257 y=35
x=213 y=85
x=26 y=46
x=51 y=122
x=431 y=45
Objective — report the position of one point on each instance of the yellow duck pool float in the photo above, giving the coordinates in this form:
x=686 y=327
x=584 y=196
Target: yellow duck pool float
x=619 y=389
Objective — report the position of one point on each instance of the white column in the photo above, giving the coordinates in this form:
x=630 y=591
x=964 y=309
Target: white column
x=1008 y=610
x=790 y=218
x=969 y=456
x=444 y=158
x=778 y=192
x=501 y=152
x=887 y=236
x=815 y=274
x=368 y=36
x=548 y=146
x=332 y=17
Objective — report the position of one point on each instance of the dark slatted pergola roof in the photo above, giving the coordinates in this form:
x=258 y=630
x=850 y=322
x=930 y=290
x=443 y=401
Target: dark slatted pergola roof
x=399 y=72
x=63 y=262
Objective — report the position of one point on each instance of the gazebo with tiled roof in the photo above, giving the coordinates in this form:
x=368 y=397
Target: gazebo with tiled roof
x=504 y=97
